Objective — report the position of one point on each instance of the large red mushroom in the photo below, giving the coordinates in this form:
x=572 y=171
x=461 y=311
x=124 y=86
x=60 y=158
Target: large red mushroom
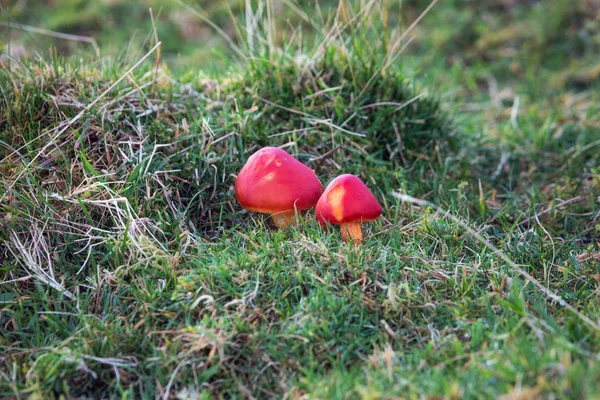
x=274 y=182
x=347 y=201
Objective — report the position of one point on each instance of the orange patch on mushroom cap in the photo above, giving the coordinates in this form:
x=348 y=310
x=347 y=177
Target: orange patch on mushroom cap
x=335 y=199
x=347 y=199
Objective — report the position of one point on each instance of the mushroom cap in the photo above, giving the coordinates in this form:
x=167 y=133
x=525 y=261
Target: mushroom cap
x=347 y=199
x=272 y=181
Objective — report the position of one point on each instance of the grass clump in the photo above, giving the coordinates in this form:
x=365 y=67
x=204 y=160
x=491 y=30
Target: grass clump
x=365 y=103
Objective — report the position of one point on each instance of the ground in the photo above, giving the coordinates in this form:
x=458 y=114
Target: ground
x=129 y=270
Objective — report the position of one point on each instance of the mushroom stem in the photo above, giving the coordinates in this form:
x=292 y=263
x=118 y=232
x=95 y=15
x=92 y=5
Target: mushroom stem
x=351 y=230
x=282 y=220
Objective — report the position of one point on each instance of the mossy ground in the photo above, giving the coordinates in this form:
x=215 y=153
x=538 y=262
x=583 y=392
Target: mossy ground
x=129 y=270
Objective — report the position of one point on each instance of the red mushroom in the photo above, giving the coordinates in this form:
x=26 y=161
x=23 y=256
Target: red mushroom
x=274 y=182
x=347 y=201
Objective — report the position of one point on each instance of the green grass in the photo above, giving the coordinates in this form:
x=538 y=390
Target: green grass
x=129 y=270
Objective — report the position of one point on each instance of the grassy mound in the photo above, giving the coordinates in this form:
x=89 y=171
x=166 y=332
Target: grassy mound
x=184 y=142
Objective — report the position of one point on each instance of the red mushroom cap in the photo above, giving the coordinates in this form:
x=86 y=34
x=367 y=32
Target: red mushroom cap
x=347 y=199
x=272 y=181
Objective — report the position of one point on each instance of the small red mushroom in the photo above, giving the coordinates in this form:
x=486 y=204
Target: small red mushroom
x=347 y=201
x=274 y=182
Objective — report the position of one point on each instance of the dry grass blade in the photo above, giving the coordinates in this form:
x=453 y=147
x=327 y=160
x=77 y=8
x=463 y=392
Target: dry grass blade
x=549 y=293
x=550 y=209
x=394 y=52
x=58 y=35
x=220 y=31
x=36 y=258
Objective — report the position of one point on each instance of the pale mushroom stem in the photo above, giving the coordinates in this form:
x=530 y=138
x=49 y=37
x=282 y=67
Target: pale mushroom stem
x=282 y=220
x=351 y=230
